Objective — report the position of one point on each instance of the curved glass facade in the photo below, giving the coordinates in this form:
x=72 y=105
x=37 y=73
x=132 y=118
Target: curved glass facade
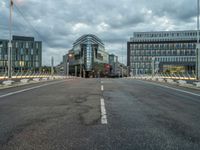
x=90 y=50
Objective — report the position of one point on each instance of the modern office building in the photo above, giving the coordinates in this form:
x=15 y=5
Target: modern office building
x=87 y=57
x=26 y=54
x=165 y=51
x=113 y=61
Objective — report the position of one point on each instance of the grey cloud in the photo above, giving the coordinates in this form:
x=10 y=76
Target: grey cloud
x=60 y=23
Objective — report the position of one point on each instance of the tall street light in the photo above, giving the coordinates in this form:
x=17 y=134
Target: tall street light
x=69 y=56
x=153 y=66
x=52 y=65
x=10 y=42
x=198 y=46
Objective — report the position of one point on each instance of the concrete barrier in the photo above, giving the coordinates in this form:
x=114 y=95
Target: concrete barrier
x=24 y=80
x=182 y=82
x=58 y=77
x=154 y=79
x=36 y=79
x=197 y=84
x=8 y=82
x=44 y=79
x=51 y=78
x=161 y=80
x=170 y=81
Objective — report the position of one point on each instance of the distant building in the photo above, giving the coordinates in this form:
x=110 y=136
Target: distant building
x=165 y=51
x=59 y=69
x=113 y=61
x=87 y=57
x=26 y=54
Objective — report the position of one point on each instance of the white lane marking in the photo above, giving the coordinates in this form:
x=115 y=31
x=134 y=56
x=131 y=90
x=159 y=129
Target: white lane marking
x=102 y=88
x=28 y=89
x=172 y=88
x=101 y=82
x=103 y=112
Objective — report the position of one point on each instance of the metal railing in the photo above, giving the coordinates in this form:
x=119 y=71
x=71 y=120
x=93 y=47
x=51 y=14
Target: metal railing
x=179 y=76
x=28 y=75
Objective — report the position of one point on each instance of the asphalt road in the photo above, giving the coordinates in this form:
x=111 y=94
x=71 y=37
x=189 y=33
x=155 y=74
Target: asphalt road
x=70 y=115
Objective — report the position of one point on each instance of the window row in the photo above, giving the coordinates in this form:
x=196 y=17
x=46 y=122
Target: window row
x=21 y=57
x=163 y=46
x=163 y=52
x=21 y=64
x=176 y=59
x=21 y=51
x=163 y=59
x=166 y=34
x=140 y=65
x=26 y=45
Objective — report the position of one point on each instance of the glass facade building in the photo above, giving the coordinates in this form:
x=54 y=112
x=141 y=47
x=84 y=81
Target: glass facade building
x=167 y=48
x=26 y=54
x=87 y=53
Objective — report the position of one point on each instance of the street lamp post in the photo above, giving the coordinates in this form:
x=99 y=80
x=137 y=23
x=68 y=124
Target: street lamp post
x=198 y=46
x=153 y=66
x=10 y=43
x=136 y=69
x=81 y=61
x=122 y=72
x=67 y=69
x=69 y=56
x=75 y=71
x=52 y=64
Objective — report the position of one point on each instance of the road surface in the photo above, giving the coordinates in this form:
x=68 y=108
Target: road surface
x=99 y=114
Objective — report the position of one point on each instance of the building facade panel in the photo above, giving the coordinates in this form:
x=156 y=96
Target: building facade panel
x=26 y=54
x=176 y=47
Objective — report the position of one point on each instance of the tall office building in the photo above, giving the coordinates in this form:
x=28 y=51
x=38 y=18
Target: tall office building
x=87 y=55
x=26 y=54
x=165 y=51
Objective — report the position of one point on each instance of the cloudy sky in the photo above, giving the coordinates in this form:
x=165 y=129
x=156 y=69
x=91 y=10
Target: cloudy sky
x=60 y=22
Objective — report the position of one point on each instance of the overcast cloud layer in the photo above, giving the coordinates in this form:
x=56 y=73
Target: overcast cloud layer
x=61 y=22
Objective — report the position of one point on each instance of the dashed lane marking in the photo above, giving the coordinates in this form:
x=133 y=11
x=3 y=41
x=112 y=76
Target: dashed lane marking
x=102 y=88
x=103 y=112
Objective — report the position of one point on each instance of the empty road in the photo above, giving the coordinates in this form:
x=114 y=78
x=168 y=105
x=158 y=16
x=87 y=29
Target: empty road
x=99 y=114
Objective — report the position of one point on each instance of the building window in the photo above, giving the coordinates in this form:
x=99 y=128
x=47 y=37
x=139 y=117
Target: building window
x=31 y=51
x=26 y=44
x=21 y=51
x=26 y=58
x=37 y=46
